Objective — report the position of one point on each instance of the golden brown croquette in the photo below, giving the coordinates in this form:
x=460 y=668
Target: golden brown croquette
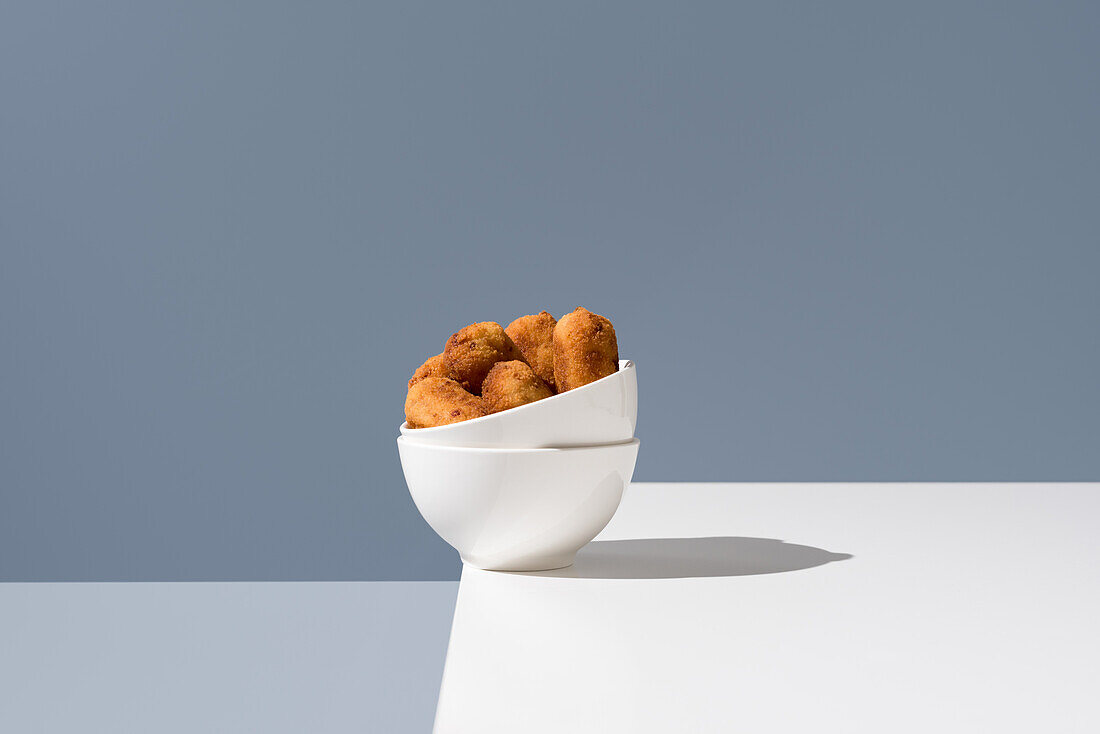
x=437 y=401
x=534 y=336
x=511 y=384
x=585 y=349
x=472 y=351
x=433 y=367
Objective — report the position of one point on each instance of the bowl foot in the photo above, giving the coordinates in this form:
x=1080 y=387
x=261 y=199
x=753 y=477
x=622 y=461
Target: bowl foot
x=528 y=563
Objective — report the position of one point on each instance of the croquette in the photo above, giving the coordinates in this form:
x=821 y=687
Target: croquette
x=585 y=349
x=437 y=401
x=472 y=351
x=433 y=367
x=510 y=385
x=534 y=336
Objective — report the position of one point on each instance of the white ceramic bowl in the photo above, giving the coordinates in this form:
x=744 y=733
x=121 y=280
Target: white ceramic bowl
x=517 y=509
x=604 y=411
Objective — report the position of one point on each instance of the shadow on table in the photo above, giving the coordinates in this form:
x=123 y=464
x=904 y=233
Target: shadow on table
x=678 y=558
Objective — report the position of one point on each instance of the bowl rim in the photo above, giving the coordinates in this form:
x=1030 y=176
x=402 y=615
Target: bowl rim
x=407 y=441
x=624 y=365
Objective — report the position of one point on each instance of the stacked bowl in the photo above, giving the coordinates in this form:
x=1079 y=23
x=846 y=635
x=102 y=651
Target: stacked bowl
x=526 y=488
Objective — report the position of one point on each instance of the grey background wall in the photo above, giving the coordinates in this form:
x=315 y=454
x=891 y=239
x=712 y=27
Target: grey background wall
x=842 y=241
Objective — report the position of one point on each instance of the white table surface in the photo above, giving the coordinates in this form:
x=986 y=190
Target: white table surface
x=963 y=607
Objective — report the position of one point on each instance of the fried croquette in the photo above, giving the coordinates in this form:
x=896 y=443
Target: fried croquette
x=437 y=401
x=534 y=337
x=433 y=367
x=510 y=385
x=585 y=349
x=472 y=351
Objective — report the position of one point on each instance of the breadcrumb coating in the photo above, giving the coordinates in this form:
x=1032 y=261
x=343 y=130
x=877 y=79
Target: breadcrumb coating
x=534 y=336
x=437 y=401
x=510 y=385
x=585 y=349
x=472 y=351
x=433 y=367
